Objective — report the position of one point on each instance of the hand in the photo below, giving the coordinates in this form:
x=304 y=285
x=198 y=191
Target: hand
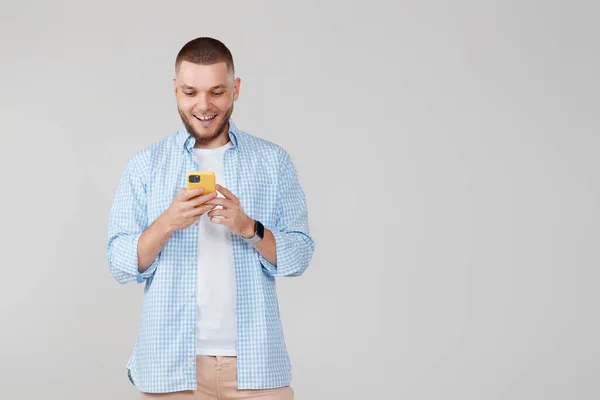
x=186 y=208
x=233 y=216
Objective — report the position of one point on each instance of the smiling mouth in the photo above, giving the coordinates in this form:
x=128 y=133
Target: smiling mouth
x=205 y=118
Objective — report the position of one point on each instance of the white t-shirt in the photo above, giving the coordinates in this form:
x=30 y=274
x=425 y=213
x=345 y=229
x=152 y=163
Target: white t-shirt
x=215 y=333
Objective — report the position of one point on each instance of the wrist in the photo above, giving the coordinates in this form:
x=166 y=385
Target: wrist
x=248 y=232
x=165 y=225
x=258 y=233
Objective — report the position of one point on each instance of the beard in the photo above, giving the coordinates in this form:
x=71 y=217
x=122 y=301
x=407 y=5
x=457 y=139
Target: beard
x=220 y=130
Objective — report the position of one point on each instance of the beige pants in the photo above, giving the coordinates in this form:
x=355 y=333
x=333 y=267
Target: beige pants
x=217 y=379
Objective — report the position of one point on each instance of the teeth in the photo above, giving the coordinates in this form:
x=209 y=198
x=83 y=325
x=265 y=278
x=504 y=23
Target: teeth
x=204 y=118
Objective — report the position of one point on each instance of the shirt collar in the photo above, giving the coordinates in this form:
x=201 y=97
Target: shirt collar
x=187 y=141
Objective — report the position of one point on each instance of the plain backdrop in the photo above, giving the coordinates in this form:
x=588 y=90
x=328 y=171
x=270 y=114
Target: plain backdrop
x=449 y=154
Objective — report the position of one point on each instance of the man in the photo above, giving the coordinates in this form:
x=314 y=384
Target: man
x=210 y=325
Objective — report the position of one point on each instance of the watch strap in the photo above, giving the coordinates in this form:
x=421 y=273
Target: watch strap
x=259 y=233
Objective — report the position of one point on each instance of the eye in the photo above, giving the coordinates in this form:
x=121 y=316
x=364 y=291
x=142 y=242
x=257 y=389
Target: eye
x=217 y=93
x=189 y=94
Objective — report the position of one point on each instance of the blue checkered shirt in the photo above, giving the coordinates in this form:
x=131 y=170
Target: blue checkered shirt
x=262 y=175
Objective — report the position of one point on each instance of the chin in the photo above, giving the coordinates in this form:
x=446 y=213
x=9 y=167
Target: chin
x=206 y=134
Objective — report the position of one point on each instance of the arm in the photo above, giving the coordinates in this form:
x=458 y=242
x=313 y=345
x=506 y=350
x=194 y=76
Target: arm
x=288 y=243
x=267 y=246
x=151 y=242
x=127 y=222
x=134 y=248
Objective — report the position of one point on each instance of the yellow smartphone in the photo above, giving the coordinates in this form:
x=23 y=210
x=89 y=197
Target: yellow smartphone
x=201 y=179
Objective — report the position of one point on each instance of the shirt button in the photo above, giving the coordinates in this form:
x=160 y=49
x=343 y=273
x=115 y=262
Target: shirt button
x=192 y=259
x=192 y=330
x=191 y=294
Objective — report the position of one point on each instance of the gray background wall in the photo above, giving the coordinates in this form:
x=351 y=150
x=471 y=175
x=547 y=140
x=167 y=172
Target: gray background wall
x=449 y=155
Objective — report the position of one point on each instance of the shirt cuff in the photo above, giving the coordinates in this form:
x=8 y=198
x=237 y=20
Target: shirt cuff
x=269 y=268
x=142 y=276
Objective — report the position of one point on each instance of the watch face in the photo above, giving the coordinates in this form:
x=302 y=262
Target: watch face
x=260 y=229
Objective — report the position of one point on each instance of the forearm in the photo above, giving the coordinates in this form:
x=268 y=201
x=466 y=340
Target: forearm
x=289 y=239
x=294 y=251
x=151 y=242
x=267 y=248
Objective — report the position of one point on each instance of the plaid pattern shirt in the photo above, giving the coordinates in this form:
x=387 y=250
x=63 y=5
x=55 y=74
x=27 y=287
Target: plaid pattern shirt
x=262 y=175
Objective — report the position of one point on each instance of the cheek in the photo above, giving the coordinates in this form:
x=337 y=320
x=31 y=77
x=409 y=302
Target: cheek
x=185 y=105
x=222 y=104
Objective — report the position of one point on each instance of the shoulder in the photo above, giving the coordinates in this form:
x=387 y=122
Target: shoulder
x=263 y=149
x=145 y=160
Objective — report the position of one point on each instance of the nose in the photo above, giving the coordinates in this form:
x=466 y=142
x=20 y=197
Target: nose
x=203 y=102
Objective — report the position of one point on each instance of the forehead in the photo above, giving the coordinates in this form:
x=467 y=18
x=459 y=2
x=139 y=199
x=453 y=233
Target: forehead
x=203 y=76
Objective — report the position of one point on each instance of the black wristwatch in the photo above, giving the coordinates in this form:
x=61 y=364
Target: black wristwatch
x=259 y=233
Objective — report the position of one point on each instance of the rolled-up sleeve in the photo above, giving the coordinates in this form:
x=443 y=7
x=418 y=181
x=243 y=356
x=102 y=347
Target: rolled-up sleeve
x=294 y=245
x=127 y=221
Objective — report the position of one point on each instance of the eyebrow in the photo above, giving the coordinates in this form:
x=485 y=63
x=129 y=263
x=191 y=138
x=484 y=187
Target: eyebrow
x=220 y=86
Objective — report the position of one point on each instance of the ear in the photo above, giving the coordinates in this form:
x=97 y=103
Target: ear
x=236 y=88
x=175 y=86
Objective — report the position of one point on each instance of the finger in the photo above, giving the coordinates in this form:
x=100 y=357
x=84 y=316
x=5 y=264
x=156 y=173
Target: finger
x=225 y=192
x=199 y=210
x=180 y=194
x=220 y=212
x=218 y=220
x=219 y=201
x=202 y=199
x=196 y=201
x=188 y=194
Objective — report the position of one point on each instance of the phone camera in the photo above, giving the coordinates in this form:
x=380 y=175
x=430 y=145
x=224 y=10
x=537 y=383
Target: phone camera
x=194 y=178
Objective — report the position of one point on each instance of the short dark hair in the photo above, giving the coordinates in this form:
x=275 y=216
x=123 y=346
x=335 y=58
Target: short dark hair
x=205 y=51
